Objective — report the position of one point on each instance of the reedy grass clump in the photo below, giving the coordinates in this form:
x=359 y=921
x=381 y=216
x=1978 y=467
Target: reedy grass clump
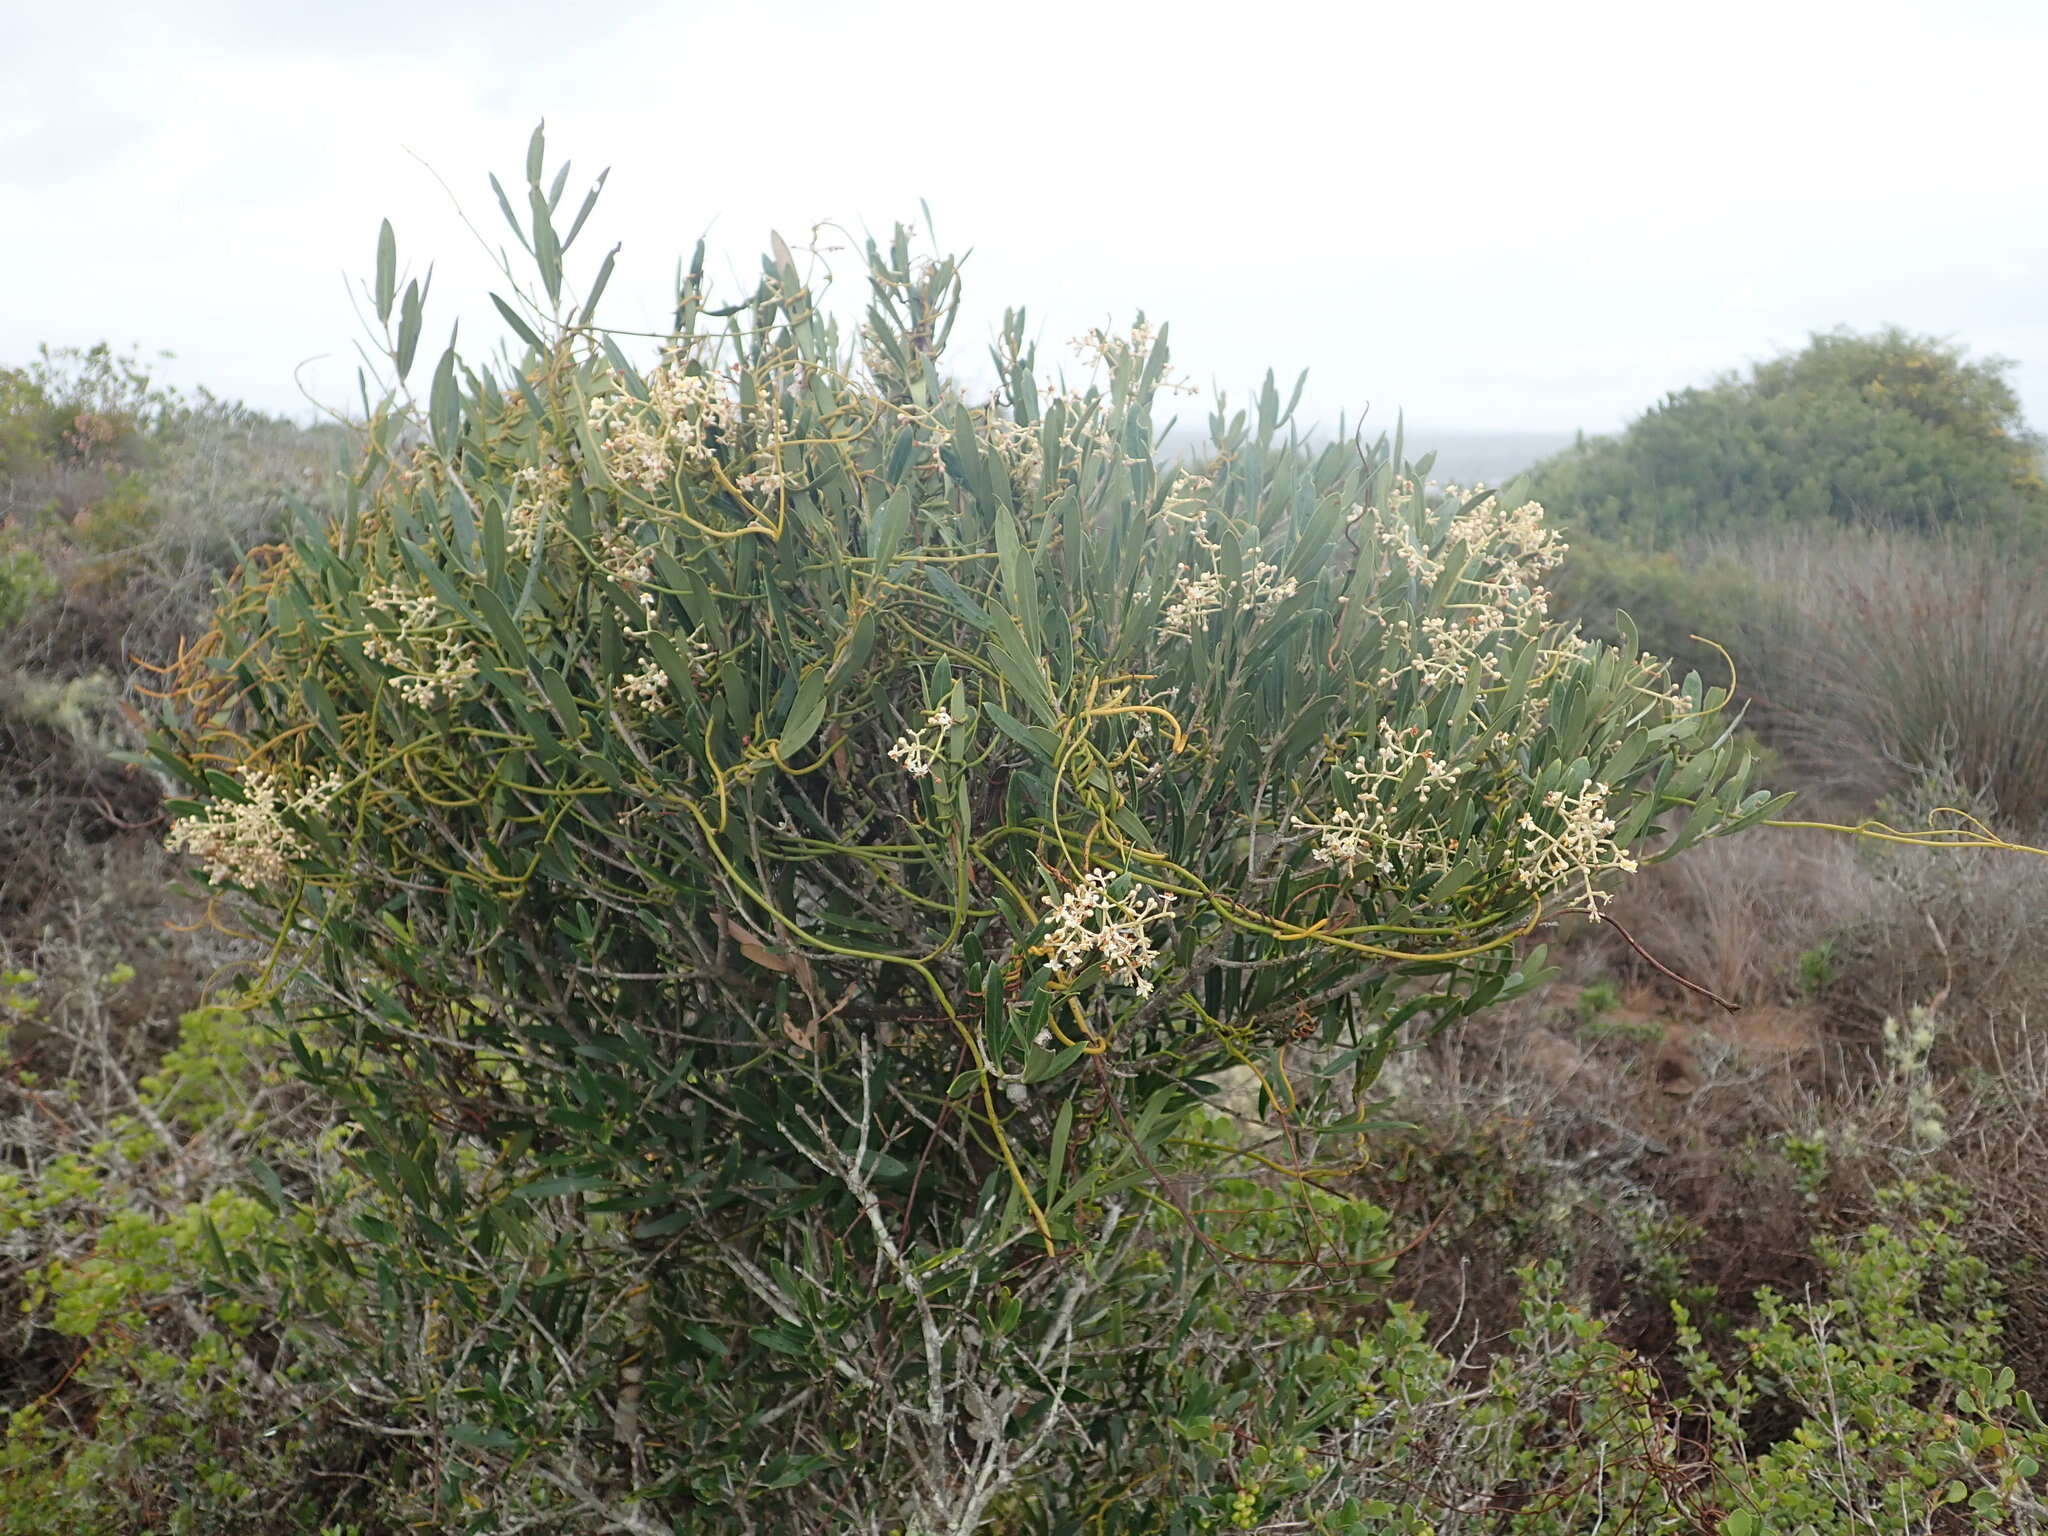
x=773 y=843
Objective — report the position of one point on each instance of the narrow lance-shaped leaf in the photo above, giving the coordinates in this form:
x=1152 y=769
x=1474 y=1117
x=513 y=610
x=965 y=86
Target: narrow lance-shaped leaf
x=524 y=331
x=536 y=152
x=444 y=403
x=604 y=276
x=387 y=270
x=589 y=202
x=409 y=316
x=547 y=251
x=511 y=218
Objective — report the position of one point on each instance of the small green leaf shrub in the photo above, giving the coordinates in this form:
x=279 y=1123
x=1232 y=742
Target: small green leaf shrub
x=1879 y=1404
x=767 y=847
x=143 y=1392
x=24 y=582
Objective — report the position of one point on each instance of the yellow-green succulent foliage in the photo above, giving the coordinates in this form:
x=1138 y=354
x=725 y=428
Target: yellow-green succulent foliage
x=770 y=841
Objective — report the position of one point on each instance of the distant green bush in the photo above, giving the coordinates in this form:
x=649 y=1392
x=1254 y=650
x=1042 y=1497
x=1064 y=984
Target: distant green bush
x=1887 y=430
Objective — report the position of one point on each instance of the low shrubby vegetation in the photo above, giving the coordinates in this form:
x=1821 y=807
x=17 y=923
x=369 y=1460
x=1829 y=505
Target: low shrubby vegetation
x=1884 y=630
x=735 y=940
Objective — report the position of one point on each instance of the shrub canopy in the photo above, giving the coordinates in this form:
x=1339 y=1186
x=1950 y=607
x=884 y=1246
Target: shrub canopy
x=764 y=831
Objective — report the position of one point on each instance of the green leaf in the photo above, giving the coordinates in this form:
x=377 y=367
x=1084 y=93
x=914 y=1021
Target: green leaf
x=210 y=1234
x=547 y=251
x=560 y=1184
x=1020 y=580
x=1021 y=669
x=409 y=316
x=789 y=1470
x=890 y=524
x=536 y=152
x=567 y=710
x=1056 y=1156
x=387 y=270
x=806 y=712
x=777 y=1339
x=505 y=207
x=604 y=276
x=480 y=1438
x=959 y=597
x=499 y=620
x=525 y=331
x=444 y=402
x=589 y=202
x=1035 y=739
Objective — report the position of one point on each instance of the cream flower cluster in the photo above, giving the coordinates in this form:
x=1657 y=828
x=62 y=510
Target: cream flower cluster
x=1405 y=794
x=918 y=751
x=634 y=449
x=1185 y=501
x=1908 y=1052
x=249 y=843
x=1107 y=347
x=1092 y=926
x=1405 y=780
x=1019 y=445
x=1128 y=350
x=1198 y=597
x=649 y=685
x=688 y=420
x=1083 y=435
x=627 y=561
x=1508 y=552
x=1576 y=850
x=631 y=565
x=537 y=488
x=433 y=668
x=1521 y=549
x=1657 y=679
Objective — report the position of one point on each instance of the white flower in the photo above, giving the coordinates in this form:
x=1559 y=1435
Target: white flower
x=1497 y=597
x=1578 y=847
x=647 y=686
x=433 y=668
x=1090 y=926
x=538 y=488
x=249 y=843
x=1197 y=597
x=914 y=752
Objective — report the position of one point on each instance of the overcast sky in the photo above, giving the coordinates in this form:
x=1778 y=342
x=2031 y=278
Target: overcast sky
x=1506 y=216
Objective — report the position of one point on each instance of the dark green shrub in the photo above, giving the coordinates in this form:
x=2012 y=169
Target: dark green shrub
x=1886 y=431
x=773 y=847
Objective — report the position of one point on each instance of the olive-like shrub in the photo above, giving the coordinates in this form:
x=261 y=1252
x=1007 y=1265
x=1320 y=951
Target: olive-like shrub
x=767 y=844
